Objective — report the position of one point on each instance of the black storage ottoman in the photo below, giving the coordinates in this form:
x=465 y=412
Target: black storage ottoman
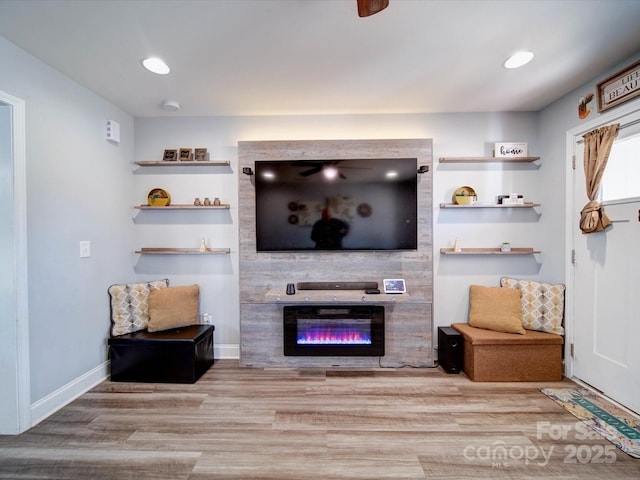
x=179 y=355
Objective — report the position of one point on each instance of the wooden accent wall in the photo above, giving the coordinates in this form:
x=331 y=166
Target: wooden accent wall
x=408 y=323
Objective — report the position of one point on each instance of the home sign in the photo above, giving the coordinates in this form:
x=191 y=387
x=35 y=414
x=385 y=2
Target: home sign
x=511 y=149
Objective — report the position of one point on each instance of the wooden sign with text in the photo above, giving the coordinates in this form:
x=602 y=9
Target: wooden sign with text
x=619 y=88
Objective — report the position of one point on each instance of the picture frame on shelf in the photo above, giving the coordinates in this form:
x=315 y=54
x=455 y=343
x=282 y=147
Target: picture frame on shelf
x=170 y=155
x=200 y=155
x=394 y=285
x=185 y=154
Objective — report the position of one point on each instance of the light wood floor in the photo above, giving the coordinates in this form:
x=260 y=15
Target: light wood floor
x=280 y=424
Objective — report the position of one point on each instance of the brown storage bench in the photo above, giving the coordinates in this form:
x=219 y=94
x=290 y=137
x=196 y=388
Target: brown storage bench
x=179 y=355
x=491 y=356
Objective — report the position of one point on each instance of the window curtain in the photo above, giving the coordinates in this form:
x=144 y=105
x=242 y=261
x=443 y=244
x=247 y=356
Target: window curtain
x=597 y=146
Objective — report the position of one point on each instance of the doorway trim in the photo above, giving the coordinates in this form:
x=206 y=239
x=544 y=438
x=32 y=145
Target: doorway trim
x=19 y=266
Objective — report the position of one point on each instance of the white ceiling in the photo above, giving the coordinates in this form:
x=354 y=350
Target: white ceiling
x=281 y=57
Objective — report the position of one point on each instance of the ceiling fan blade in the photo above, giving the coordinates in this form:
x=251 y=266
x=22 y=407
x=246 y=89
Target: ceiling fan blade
x=311 y=171
x=369 y=7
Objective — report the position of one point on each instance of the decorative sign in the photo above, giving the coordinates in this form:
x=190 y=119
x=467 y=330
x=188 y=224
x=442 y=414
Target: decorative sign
x=510 y=150
x=619 y=88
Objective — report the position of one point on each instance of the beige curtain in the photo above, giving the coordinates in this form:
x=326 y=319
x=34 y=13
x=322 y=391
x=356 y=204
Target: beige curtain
x=597 y=146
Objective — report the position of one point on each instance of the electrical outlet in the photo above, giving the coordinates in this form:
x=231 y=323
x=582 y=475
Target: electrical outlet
x=85 y=249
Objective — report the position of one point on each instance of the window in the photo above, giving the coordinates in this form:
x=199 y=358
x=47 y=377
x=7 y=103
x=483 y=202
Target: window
x=621 y=179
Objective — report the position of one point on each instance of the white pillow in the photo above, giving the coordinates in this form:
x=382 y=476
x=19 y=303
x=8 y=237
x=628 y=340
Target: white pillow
x=542 y=304
x=130 y=305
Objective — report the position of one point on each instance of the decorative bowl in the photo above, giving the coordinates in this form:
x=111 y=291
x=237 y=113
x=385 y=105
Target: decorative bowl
x=158 y=198
x=465 y=196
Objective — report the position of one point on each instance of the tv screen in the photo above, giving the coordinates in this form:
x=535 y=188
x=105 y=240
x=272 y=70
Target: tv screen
x=355 y=204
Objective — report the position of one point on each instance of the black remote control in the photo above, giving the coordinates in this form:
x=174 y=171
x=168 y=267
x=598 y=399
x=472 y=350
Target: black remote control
x=372 y=291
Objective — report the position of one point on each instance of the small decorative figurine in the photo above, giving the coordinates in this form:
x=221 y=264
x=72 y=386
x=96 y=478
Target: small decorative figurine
x=197 y=202
x=216 y=201
x=207 y=202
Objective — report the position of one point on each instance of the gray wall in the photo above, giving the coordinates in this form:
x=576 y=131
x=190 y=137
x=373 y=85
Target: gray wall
x=79 y=187
x=455 y=134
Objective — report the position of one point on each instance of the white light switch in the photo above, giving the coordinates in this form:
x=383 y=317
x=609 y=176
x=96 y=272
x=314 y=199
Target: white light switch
x=85 y=249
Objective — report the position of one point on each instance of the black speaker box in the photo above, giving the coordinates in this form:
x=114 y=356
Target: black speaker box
x=450 y=350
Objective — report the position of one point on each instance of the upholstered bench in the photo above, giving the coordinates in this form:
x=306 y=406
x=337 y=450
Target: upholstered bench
x=155 y=335
x=491 y=356
x=514 y=333
x=179 y=355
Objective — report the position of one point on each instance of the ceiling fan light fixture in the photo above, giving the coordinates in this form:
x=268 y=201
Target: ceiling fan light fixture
x=518 y=59
x=330 y=173
x=156 y=65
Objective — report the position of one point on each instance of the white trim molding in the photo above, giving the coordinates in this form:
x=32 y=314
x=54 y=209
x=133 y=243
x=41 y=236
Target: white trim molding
x=226 y=351
x=20 y=365
x=66 y=394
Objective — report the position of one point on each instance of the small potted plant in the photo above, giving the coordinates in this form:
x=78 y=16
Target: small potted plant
x=505 y=247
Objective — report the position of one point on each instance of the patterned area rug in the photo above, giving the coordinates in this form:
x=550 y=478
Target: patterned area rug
x=619 y=427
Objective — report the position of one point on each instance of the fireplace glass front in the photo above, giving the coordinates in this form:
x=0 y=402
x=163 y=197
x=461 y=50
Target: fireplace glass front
x=334 y=331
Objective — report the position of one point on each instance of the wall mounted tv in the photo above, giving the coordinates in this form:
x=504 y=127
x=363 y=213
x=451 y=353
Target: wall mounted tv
x=346 y=204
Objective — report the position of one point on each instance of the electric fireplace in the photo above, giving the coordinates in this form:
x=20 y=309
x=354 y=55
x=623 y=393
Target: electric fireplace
x=350 y=330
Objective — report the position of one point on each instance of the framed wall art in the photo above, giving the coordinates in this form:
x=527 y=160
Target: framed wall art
x=619 y=87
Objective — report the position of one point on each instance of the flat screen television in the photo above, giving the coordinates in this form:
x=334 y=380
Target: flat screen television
x=347 y=204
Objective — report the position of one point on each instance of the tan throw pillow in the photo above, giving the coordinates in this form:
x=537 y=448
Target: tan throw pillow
x=542 y=304
x=173 y=307
x=495 y=308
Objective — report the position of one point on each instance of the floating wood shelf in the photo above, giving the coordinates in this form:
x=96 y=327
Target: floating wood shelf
x=487 y=159
x=191 y=163
x=182 y=251
x=187 y=206
x=488 y=251
x=301 y=297
x=489 y=205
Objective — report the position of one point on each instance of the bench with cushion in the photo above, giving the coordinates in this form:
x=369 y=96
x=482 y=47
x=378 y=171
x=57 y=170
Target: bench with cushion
x=155 y=335
x=514 y=333
x=491 y=356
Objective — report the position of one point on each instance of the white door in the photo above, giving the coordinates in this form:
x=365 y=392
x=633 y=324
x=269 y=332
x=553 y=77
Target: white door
x=607 y=296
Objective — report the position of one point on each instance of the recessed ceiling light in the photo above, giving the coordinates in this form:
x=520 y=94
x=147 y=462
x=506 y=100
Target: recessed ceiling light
x=518 y=59
x=156 y=65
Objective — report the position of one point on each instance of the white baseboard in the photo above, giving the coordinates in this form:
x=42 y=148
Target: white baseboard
x=226 y=351
x=53 y=402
